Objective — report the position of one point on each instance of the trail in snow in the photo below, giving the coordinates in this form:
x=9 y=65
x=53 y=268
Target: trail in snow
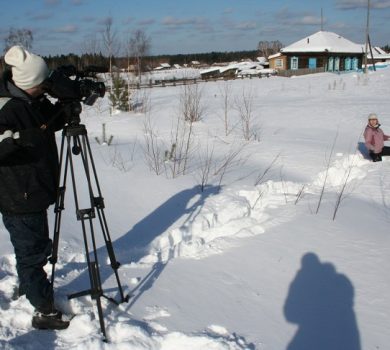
x=218 y=219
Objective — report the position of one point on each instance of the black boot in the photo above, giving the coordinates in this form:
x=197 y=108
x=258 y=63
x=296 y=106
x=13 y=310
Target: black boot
x=376 y=157
x=51 y=320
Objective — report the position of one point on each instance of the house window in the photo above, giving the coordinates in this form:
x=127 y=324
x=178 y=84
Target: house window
x=355 y=62
x=279 y=63
x=294 y=63
x=337 y=64
x=330 y=64
x=347 y=63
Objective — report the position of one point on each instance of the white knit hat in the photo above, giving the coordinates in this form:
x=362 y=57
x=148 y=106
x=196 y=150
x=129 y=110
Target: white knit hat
x=28 y=70
x=372 y=116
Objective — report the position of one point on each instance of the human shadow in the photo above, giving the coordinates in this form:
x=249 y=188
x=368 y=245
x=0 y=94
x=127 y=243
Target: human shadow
x=147 y=282
x=135 y=244
x=320 y=302
x=35 y=339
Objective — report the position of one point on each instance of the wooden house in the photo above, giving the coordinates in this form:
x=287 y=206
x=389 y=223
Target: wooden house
x=320 y=52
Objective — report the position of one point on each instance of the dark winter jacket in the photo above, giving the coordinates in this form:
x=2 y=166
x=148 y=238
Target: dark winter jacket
x=28 y=163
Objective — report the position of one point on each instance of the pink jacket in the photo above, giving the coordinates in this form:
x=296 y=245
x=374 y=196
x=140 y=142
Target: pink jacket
x=374 y=139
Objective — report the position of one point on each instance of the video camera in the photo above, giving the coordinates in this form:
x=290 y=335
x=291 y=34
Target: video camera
x=71 y=92
x=61 y=86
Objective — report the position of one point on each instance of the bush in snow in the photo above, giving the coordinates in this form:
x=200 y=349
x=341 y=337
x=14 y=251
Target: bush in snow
x=119 y=95
x=191 y=103
x=245 y=107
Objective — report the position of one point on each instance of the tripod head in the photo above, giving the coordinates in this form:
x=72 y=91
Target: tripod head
x=72 y=111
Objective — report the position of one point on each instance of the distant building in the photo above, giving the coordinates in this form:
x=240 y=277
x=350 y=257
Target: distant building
x=163 y=66
x=219 y=72
x=237 y=69
x=320 y=52
x=378 y=56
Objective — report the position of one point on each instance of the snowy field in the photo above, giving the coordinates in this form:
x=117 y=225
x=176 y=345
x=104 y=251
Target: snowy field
x=286 y=247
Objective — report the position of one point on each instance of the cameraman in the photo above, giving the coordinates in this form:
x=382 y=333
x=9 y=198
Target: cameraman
x=29 y=169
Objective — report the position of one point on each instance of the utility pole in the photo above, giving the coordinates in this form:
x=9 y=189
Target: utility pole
x=367 y=37
x=322 y=21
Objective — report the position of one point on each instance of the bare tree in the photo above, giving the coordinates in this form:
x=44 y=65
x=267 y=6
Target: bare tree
x=232 y=159
x=91 y=45
x=192 y=107
x=246 y=111
x=138 y=46
x=226 y=92
x=91 y=48
x=153 y=150
x=21 y=36
x=267 y=48
x=210 y=168
x=327 y=171
x=261 y=176
x=206 y=159
x=182 y=135
x=110 y=40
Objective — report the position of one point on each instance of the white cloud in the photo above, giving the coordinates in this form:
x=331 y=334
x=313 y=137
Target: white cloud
x=198 y=23
x=308 y=20
x=246 y=25
x=66 y=29
x=358 y=4
x=176 y=22
x=381 y=4
x=146 y=22
x=288 y=18
x=41 y=16
x=228 y=10
x=52 y=2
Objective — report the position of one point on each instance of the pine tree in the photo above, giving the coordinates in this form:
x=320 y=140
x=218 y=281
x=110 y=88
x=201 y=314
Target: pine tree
x=119 y=95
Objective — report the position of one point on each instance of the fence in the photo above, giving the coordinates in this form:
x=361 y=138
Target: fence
x=188 y=81
x=302 y=71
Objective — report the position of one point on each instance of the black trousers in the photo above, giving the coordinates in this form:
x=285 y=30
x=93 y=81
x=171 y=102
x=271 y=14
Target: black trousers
x=377 y=157
x=30 y=237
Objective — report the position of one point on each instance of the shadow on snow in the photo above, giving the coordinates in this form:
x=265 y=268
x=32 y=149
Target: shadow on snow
x=135 y=244
x=320 y=302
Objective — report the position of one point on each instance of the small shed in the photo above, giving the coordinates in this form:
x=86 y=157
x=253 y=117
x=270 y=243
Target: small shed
x=378 y=56
x=210 y=73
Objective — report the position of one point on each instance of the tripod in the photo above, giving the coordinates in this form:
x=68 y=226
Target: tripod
x=78 y=134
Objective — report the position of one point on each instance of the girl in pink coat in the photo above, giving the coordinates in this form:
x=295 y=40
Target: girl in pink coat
x=374 y=139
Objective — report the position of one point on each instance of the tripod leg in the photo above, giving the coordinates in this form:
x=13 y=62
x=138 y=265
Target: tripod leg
x=99 y=204
x=96 y=294
x=110 y=250
x=58 y=208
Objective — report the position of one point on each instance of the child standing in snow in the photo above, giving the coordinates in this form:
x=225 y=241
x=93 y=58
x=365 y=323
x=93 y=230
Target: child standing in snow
x=374 y=139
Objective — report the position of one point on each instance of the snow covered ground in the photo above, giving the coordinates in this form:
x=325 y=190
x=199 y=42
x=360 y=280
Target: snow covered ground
x=259 y=262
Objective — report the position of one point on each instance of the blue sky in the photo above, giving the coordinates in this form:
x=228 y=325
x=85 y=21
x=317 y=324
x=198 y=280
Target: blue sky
x=181 y=26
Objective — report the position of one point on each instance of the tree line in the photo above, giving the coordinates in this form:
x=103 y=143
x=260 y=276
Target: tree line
x=149 y=62
x=136 y=51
